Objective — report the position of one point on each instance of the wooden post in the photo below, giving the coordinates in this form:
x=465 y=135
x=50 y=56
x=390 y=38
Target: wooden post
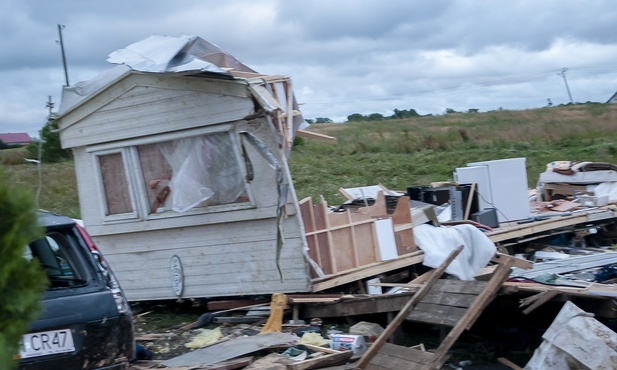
x=469 y=201
x=398 y=320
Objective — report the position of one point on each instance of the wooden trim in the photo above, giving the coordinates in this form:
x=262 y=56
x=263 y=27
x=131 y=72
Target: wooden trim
x=314 y=135
x=363 y=272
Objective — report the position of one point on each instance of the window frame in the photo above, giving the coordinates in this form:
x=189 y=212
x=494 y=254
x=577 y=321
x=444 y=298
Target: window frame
x=102 y=198
x=136 y=182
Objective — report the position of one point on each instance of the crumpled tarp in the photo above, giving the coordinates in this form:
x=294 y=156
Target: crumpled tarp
x=159 y=53
x=437 y=243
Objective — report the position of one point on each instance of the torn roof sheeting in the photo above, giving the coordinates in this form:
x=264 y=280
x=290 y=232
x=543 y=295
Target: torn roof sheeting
x=177 y=54
x=192 y=55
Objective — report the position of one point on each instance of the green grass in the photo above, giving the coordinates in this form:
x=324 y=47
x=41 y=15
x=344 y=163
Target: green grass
x=58 y=191
x=397 y=153
x=418 y=151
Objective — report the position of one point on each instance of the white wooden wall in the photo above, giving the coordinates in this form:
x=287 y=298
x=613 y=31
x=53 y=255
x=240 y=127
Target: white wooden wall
x=223 y=253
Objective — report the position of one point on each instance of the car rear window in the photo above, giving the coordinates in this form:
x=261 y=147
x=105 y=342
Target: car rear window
x=58 y=256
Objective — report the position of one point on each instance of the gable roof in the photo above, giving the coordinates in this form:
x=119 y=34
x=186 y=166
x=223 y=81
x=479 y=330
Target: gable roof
x=15 y=138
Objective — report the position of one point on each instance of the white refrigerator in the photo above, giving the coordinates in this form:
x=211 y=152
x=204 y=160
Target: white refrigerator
x=502 y=184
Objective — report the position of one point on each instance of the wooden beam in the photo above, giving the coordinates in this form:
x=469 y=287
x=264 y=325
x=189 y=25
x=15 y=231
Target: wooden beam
x=470 y=201
x=541 y=298
x=474 y=312
x=366 y=271
x=508 y=363
x=398 y=320
x=314 y=135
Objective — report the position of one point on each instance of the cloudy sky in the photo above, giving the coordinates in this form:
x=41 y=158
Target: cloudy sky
x=345 y=56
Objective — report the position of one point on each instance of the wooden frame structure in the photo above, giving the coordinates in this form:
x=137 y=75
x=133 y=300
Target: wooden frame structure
x=348 y=240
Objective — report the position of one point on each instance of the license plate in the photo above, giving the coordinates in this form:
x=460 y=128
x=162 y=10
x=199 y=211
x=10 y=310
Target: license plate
x=46 y=343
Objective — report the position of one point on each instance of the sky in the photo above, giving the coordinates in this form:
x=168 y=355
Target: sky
x=344 y=56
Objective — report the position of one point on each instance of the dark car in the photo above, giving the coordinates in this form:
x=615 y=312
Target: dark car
x=85 y=322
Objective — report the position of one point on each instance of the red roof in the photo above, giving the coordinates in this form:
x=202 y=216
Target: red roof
x=17 y=138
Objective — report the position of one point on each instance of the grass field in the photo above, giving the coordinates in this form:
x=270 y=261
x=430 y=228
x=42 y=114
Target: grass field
x=396 y=153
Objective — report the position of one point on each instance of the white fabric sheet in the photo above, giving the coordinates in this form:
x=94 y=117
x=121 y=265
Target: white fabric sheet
x=438 y=242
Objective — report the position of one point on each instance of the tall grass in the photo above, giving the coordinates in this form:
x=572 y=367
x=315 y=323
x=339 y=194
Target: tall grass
x=421 y=150
x=397 y=153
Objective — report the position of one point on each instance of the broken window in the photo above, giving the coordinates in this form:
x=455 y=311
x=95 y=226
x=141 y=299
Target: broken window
x=178 y=175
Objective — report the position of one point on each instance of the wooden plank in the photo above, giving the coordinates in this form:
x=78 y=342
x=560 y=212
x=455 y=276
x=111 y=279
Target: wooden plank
x=472 y=194
x=400 y=317
x=358 y=306
x=308 y=220
x=500 y=275
x=363 y=272
x=323 y=210
x=236 y=363
x=449 y=299
x=322 y=240
x=436 y=314
x=365 y=242
x=332 y=358
x=381 y=361
x=314 y=135
x=378 y=209
x=343 y=249
x=460 y=286
x=542 y=299
x=508 y=363
x=521 y=230
x=402 y=216
x=416 y=355
x=235 y=304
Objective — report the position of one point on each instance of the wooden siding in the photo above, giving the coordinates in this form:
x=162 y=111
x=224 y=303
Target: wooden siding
x=142 y=105
x=218 y=260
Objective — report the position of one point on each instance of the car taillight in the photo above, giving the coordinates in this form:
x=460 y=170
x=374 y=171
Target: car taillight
x=112 y=282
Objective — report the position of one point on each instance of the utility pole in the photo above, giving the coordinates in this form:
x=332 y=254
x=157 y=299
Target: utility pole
x=66 y=73
x=49 y=105
x=565 y=81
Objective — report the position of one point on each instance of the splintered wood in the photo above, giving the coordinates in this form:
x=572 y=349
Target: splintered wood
x=453 y=303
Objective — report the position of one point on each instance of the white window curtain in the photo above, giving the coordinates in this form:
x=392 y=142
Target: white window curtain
x=203 y=168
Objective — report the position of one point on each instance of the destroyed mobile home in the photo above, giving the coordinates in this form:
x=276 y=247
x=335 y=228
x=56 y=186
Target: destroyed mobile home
x=181 y=160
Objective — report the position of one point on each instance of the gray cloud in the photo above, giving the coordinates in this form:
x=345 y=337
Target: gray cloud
x=348 y=56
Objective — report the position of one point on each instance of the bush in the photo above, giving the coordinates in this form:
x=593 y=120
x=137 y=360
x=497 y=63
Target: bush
x=21 y=282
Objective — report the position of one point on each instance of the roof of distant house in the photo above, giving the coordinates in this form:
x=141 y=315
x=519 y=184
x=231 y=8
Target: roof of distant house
x=15 y=138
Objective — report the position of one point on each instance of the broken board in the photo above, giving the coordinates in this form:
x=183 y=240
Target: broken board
x=453 y=303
